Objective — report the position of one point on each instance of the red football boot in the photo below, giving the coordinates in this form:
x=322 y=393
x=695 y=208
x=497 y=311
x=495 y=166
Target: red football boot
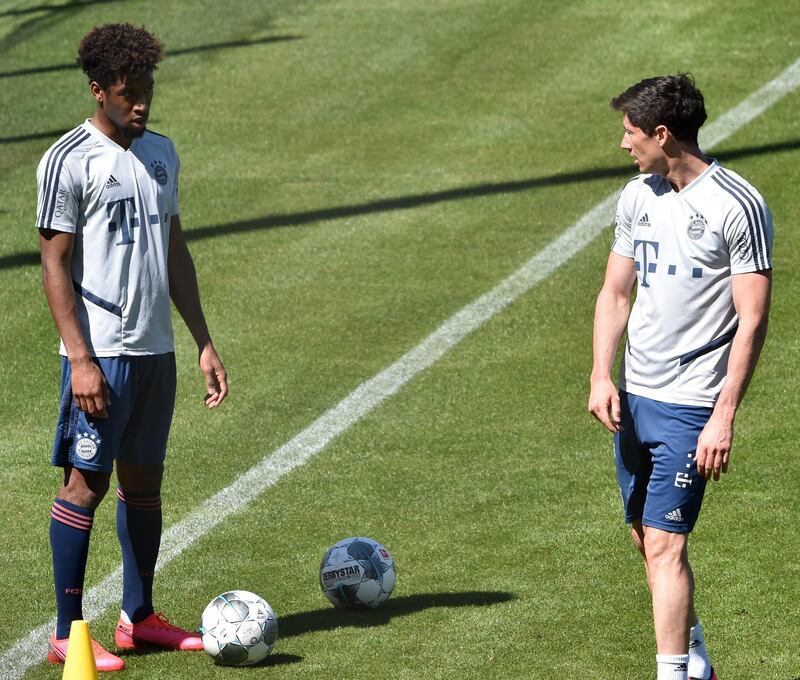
x=155 y=631
x=103 y=659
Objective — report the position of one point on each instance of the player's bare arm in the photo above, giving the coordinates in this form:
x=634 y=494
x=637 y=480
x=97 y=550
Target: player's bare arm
x=185 y=295
x=751 y=297
x=89 y=387
x=611 y=316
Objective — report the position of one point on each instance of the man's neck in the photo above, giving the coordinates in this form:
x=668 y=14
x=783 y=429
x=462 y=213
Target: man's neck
x=685 y=167
x=104 y=124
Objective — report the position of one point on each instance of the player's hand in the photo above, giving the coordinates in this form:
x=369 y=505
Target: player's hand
x=714 y=448
x=215 y=375
x=89 y=388
x=604 y=404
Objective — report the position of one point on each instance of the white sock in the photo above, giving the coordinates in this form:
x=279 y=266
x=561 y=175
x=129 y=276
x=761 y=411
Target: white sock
x=672 y=666
x=699 y=665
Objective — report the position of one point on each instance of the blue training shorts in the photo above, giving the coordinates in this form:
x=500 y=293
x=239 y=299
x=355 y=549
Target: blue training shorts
x=142 y=390
x=656 y=470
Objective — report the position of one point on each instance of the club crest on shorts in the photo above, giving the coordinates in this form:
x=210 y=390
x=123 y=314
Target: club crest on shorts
x=86 y=446
x=697 y=227
x=159 y=172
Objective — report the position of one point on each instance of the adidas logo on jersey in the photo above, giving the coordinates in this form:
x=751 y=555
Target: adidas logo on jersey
x=674 y=516
x=644 y=221
x=112 y=182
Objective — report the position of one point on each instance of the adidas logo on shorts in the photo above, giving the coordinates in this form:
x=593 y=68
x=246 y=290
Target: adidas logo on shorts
x=112 y=182
x=674 y=516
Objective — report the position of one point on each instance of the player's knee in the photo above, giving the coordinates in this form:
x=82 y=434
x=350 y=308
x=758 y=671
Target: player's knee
x=85 y=489
x=664 y=548
x=139 y=478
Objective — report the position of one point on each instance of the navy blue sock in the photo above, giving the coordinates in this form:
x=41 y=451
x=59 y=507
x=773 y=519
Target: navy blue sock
x=70 y=529
x=139 y=532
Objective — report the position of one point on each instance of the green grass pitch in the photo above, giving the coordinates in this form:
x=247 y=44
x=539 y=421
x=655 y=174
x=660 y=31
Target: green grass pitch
x=354 y=173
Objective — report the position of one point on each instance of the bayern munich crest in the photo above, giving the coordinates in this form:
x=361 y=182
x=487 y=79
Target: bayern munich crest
x=697 y=227
x=86 y=446
x=159 y=172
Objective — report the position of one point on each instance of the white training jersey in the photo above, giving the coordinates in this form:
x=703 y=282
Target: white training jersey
x=118 y=203
x=687 y=245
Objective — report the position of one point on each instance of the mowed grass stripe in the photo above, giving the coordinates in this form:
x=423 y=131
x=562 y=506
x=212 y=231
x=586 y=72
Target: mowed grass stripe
x=28 y=651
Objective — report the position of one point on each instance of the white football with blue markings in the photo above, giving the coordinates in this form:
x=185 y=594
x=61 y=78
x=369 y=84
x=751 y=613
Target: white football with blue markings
x=357 y=572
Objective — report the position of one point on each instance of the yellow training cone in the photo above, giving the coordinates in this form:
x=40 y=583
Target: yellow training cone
x=80 y=663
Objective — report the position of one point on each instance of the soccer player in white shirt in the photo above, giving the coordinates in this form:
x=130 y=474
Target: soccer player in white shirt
x=695 y=239
x=113 y=255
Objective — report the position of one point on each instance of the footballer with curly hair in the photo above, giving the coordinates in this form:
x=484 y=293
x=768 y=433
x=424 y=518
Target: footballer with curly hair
x=113 y=255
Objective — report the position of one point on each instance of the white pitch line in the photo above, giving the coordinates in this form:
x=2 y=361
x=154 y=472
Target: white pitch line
x=29 y=650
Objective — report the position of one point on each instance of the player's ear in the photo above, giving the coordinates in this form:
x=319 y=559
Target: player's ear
x=97 y=92
x=661 y=133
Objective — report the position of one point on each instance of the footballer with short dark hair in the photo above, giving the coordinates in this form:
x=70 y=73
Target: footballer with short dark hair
x=695 y=239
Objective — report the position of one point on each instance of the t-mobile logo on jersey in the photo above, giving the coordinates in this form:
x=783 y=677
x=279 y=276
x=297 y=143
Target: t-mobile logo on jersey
x=122 y=217
x=648 y=252
x=646 y=256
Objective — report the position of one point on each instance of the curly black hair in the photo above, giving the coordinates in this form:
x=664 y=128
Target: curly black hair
x=673 y=101
x=109 y=53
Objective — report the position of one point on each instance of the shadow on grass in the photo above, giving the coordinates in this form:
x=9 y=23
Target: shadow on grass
x=53 y=135
x=330 y=618
x=270 y=660
x=47 y=134
x=19 y=260
x=448 y=195
x=416 y=200
x=276 y=660
x=53 y=8
x=52 y=68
